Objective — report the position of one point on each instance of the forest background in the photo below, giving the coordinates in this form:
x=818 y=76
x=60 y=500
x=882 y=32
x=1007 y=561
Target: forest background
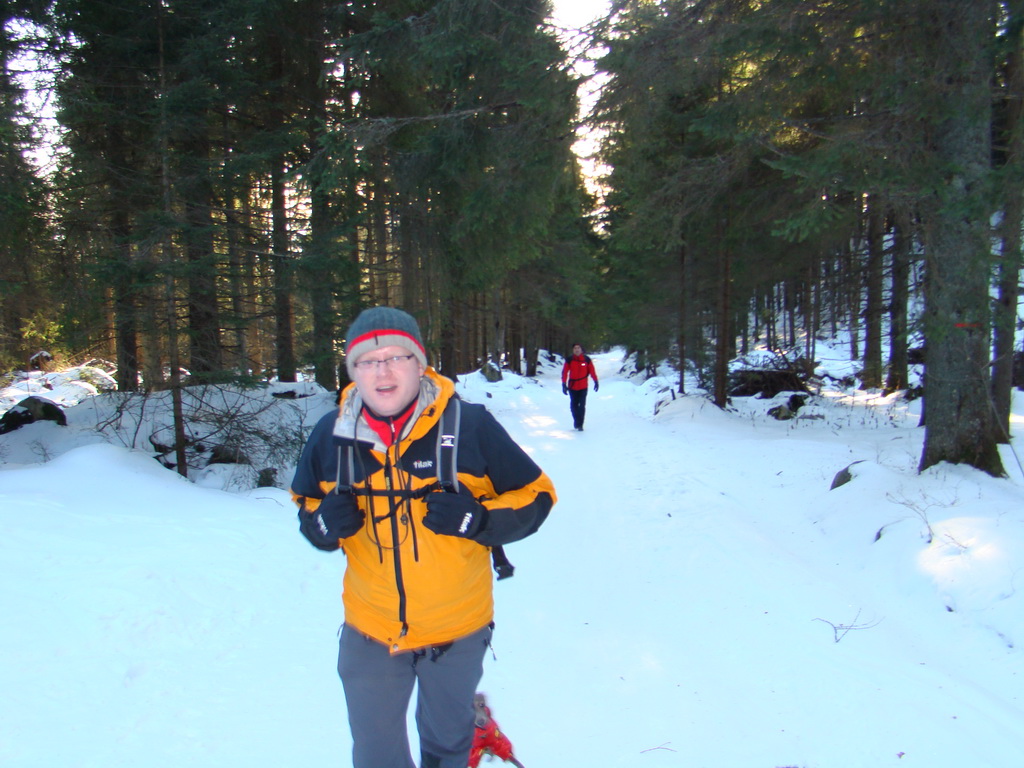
x=221 y=187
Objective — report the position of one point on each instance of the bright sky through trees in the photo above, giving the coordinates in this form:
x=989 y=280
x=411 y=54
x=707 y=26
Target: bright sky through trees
x=576 y=13
x=572 y=15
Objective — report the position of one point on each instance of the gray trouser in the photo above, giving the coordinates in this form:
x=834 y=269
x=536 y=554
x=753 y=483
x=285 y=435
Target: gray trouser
x=378 y=687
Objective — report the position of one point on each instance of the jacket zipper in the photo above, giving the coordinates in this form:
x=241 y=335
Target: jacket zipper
x=395 y=538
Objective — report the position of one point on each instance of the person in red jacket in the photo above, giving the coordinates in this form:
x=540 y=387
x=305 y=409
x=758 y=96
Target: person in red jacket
x=574 y=384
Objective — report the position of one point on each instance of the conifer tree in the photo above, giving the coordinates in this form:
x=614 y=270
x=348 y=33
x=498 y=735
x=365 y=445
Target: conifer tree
x=21 y=205
x=106 y=105
x=955 y=39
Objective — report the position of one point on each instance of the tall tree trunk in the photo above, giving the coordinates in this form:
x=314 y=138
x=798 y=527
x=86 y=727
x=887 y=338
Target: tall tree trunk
x=321 y=293
x=238 y=282
x=449 y=352
x=499 y=326
x=871 y=373
x=1005 y=316
x=812 y=306
x=256 y=265
x=280 y=247
x=283 y=278
x=531 y=340
x=513 y=352
x=320 y=279
x=125 y=315
x=722 y=337
x=203 y=314
x=959 y=428
x=790 y=288
x=1009 y=265
x=167 y=255
x=682 y=309
x=897 y=375
x=851 y=290
x=377 y=242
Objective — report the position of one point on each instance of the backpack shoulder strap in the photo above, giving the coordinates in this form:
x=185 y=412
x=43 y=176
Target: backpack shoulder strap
x=447 y=457
x=448 y=472
x=345 y=471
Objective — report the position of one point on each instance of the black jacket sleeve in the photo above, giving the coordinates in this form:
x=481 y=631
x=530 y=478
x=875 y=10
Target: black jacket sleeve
x=318 y=460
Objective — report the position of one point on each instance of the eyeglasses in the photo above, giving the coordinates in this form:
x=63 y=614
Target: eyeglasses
x=396 y=361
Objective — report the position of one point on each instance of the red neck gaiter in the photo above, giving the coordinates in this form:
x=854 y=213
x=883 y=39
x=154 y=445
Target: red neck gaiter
x=388 y=427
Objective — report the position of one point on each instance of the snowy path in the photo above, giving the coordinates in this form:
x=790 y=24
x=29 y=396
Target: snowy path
x=680 y=608
x=674 y=618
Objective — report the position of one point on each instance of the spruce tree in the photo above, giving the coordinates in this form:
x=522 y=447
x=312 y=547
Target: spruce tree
x=22 y=206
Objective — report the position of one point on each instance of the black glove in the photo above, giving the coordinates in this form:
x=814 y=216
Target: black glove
x=455 y=514
x=337 y=517
x=595 y=386
x=565 y=390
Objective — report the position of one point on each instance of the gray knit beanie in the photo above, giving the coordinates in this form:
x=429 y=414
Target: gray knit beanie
x=382 y=327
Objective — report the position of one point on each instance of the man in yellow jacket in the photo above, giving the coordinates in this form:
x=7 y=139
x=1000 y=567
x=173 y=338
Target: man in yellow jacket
x=418 y=585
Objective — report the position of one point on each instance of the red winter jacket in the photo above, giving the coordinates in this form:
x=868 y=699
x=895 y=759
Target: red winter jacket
x=576 y=370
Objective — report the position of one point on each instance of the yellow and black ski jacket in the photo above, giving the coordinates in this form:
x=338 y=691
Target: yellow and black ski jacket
x=404 y=585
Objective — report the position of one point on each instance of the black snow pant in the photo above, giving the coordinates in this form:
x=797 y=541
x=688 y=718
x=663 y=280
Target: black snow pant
x=378 y=687
x=578 y=406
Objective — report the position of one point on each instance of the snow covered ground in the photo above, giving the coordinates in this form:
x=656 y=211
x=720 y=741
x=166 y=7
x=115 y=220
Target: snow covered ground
x=699 y=597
